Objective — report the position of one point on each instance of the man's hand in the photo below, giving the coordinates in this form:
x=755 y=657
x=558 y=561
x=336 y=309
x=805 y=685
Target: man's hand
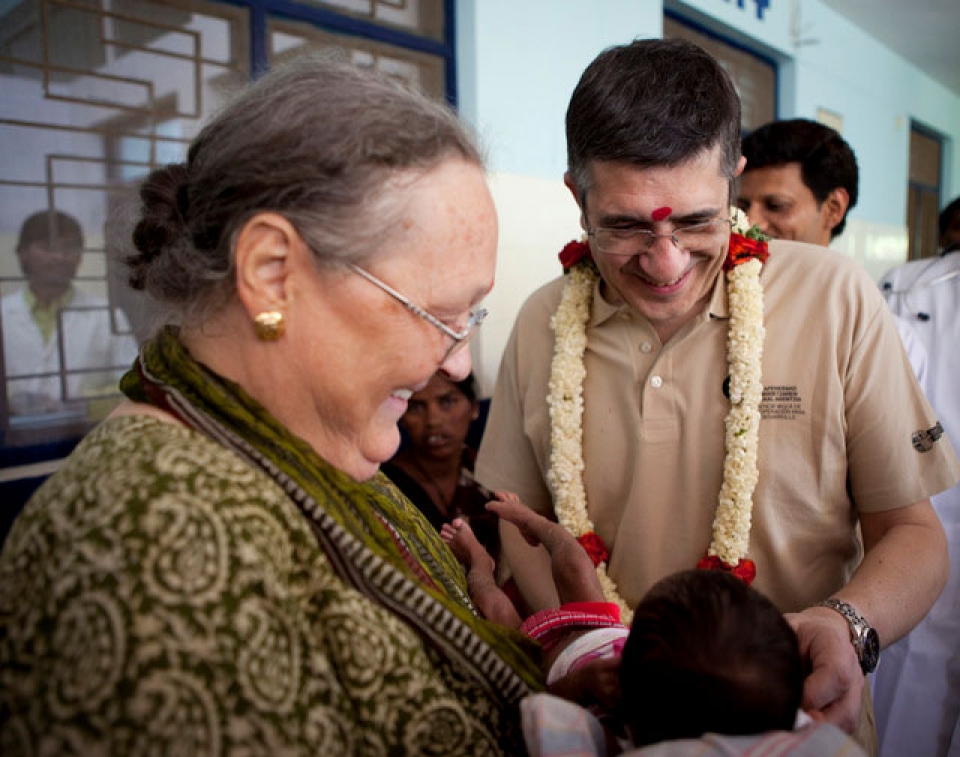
x=834 y=686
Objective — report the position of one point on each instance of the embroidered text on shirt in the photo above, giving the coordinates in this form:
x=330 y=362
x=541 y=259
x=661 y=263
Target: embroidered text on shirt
x=781 y=403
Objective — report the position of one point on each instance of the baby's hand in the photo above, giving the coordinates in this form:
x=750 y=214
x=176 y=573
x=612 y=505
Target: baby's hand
x=509 y=498
x=533 y=527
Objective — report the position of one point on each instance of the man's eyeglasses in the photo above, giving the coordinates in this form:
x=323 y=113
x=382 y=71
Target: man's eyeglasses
x=631 y=240
x=460 y=338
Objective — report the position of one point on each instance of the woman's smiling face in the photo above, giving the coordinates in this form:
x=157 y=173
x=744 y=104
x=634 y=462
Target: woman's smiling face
x=441 y=255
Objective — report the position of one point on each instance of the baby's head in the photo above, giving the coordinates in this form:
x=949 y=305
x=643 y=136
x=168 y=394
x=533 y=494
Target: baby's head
x=707 y=653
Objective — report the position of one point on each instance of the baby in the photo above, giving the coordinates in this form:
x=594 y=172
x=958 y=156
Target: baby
x=705 y=652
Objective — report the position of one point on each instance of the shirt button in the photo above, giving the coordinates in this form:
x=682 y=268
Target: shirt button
x=646 y=347
x=656 y=382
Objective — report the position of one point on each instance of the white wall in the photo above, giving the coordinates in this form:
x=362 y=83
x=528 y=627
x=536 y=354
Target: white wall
x=878 y=94
x=518 y=63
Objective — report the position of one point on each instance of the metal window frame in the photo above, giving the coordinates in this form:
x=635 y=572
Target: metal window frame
x=712 y=33
x=260 y=12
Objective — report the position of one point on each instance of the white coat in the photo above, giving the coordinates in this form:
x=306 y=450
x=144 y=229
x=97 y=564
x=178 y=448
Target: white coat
x=917 y=685
x=87 y=338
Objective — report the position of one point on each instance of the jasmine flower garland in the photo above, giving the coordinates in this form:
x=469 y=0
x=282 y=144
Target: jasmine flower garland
x=565 y=401
x=745 y=334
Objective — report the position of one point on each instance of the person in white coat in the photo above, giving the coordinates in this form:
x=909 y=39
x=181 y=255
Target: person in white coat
x=61 y=345
x=917 y=686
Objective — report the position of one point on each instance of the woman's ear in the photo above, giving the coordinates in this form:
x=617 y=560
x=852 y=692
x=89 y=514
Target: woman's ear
x=263 y=254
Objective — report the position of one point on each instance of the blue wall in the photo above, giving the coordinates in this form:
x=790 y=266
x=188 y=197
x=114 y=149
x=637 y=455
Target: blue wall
x=519 y=62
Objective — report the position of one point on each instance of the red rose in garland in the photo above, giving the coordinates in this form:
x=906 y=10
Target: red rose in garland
x=573 y=253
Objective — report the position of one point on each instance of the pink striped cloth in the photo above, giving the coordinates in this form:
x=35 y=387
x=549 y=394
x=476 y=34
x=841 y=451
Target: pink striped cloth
x=597 y=644
x=549 y=626
x=554 y=727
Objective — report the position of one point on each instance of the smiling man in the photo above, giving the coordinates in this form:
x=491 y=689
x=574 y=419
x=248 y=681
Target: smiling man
x=610 y=406
x=799 y=182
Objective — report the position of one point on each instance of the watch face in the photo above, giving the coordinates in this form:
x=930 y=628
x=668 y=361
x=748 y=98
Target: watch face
x=871 y=651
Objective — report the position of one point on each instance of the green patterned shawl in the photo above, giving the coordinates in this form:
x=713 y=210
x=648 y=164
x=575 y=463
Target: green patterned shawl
x=218 y=589
x=376 y=540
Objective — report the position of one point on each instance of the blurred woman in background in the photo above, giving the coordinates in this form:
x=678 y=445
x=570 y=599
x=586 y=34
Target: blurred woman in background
x=435 y=468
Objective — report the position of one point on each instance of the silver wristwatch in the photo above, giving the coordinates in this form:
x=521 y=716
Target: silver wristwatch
x=865 y=640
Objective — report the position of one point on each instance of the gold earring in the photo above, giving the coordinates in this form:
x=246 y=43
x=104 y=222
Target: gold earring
x=268 y=325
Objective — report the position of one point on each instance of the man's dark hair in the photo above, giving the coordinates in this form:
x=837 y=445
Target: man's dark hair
x=48 y=226
x=653 y=102
x=947 y=214
x=706 y=653
x=826 y=160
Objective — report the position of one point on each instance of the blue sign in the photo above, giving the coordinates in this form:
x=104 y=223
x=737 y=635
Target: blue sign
x=762 y=5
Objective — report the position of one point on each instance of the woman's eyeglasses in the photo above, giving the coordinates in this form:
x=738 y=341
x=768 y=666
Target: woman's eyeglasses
x=460 y=338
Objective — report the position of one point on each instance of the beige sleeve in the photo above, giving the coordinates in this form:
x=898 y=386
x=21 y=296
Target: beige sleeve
x=514 y=453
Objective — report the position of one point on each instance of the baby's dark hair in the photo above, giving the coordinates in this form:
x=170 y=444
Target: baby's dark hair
x=706 y=653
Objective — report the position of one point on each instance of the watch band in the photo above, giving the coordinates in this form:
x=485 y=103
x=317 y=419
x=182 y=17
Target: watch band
x=863 y=636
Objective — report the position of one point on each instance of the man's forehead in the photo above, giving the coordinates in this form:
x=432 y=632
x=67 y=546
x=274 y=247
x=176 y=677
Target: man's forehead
x=657 y=191
x=708 y=161
x=789 y=172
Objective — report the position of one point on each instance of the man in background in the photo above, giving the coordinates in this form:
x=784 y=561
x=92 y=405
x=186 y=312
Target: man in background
x=917 y=688
x=61 y=345
x=800 y=181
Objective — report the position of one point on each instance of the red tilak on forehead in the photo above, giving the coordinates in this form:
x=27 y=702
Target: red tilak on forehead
x=661 y=213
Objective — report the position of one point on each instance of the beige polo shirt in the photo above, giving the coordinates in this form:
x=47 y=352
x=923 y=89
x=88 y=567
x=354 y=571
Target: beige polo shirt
x=840 y=406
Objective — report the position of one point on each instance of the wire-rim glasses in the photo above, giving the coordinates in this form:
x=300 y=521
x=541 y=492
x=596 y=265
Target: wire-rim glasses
x=460 y=338
x=628 y=240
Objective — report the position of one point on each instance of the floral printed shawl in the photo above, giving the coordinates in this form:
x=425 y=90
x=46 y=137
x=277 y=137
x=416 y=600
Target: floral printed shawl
x=221 y=589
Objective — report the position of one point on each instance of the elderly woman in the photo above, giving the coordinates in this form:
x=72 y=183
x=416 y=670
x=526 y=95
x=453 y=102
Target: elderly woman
x=219 y=568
